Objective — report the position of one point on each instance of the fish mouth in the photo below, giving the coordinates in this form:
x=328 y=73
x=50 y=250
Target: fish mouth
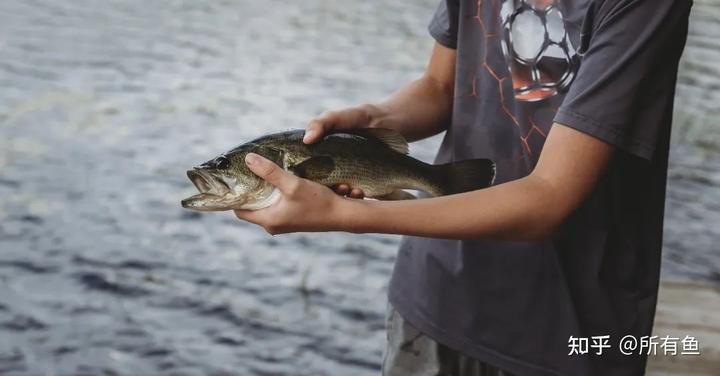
x=207 y=184
x=215 y=193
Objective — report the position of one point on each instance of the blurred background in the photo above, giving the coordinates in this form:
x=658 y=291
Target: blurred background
x=103 y=106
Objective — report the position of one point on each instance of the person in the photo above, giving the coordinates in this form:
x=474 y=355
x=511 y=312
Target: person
x=573 y=100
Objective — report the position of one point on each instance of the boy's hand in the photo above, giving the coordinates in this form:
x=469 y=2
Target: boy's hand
x=346 y=119
x=304 y=206
x=361 y=116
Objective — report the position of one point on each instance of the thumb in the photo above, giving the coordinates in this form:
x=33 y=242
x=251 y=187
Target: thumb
x=269 y=171
x=320 y=125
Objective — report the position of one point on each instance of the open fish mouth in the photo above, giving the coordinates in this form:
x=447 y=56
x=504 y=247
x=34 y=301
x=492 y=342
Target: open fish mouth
x=219 y=192
x=207 y=184
x=215 y=192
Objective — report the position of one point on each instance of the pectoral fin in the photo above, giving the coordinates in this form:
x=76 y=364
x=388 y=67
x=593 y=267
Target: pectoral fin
x=397 y=195
x=314 y=168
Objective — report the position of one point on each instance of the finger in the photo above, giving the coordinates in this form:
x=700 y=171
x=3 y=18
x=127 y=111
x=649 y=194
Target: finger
x=357 y=193
x=315 y=130
x=342 y=189
x=270 y=172
x=321 y=125
x=353 y=117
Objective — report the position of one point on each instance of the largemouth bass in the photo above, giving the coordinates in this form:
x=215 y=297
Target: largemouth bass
x=374 y=160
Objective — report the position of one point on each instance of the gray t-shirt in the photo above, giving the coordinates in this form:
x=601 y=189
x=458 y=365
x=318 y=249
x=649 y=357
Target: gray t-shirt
x=606 y=68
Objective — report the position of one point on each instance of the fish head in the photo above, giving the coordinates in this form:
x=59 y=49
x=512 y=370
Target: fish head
x=226 y=182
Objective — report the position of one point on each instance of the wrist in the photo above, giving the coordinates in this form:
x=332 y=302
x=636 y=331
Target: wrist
x=348 y=215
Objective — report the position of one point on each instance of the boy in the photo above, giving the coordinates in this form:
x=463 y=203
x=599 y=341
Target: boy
x=573 y=101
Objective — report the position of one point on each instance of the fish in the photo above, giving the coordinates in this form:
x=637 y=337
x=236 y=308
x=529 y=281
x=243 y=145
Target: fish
x=375 y=160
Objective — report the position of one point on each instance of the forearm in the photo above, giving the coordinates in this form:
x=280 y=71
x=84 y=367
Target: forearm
x=520 y=210
x=419 y=110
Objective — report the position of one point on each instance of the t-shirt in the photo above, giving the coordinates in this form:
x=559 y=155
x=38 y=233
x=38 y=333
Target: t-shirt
x=606 y=68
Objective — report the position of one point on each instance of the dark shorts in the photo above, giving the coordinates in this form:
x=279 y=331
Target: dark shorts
x=411 y=353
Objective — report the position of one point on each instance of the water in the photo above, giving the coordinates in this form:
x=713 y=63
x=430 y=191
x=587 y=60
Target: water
x=103 y=106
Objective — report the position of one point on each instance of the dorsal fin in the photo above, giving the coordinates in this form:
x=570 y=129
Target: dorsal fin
x=389 y=137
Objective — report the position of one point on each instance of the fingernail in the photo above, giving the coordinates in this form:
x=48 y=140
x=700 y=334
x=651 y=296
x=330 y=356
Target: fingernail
x=308 y=135
x=252 y=158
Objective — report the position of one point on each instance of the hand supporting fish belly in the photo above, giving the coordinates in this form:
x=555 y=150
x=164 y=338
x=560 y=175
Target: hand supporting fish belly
x=302 y=206
x=373 y=160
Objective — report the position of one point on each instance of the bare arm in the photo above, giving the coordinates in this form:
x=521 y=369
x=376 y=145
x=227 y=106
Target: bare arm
x=525 y=209
x=419 y=110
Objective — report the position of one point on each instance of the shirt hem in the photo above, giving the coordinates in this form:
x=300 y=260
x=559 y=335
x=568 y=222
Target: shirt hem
x=612 y=136
x=441 y=37
x=466 y=345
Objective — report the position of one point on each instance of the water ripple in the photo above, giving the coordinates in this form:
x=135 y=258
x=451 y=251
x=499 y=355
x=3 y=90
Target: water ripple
x=104 y=107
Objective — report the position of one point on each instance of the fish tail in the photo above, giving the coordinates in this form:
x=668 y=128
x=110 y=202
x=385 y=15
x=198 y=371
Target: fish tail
x=464 y=176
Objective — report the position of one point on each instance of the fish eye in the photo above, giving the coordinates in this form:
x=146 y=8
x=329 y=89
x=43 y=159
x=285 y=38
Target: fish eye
x=222 y=163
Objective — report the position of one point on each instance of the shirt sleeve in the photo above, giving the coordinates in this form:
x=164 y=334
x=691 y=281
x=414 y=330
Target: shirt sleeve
x=444 y=24
x=625 y=85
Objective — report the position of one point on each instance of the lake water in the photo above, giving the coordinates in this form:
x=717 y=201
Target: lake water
x=103 y=105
